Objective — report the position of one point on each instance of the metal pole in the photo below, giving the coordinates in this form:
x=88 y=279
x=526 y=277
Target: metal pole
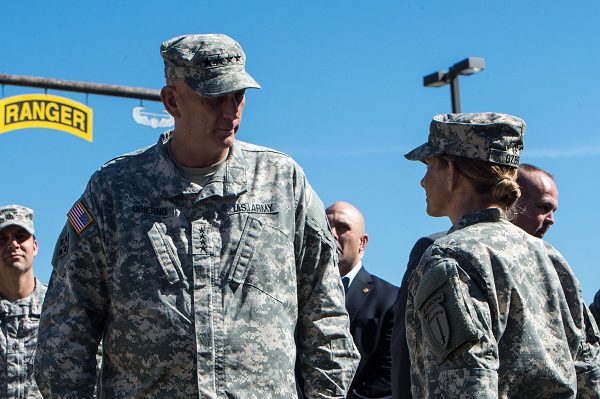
x=455 y=95
x=82 y=87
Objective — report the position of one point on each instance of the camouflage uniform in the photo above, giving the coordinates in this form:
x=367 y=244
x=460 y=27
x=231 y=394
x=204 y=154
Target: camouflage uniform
x=19 y=324
x=495 y=312
x=214 y=292
x=492 y=311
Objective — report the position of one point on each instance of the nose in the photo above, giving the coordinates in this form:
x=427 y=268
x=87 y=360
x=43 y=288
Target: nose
x=550 y=218
x=421 y=182
x=231 y=107
x=12 y=243
x=334 y=233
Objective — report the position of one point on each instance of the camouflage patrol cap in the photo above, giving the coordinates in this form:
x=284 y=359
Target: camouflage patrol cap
x=211 y=64
x=16 y=215
x=487 y=136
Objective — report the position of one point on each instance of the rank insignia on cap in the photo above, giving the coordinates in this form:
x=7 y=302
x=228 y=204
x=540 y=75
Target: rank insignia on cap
x=79 y=217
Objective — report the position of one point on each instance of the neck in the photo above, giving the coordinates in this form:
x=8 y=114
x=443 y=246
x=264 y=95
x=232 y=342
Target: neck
x=14 y=287
x=466 y=202
x=193 y=155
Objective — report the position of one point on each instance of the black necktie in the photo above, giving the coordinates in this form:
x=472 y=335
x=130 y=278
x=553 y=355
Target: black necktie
x=346 y=282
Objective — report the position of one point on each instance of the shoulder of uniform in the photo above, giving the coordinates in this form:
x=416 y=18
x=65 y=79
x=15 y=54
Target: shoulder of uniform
x=130 y=159
x=477 y=235
x=248 y=147
x=266 y=159
x=265 y=154
x=552 y=252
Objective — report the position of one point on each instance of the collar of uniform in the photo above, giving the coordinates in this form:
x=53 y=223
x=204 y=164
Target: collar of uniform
x=167 y=177
x=486 y=215
x=31 y=304
x=230 y=179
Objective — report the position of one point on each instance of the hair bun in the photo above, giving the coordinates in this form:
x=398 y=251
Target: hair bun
x=505 y=192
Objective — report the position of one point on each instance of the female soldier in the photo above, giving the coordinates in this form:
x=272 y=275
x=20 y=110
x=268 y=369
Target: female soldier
x=492 y=311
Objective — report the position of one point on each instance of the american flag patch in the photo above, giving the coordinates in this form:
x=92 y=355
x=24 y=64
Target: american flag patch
x=79 y=217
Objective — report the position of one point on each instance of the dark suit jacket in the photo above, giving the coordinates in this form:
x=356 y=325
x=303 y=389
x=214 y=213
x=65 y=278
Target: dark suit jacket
x=399 y=350
x=370 y=304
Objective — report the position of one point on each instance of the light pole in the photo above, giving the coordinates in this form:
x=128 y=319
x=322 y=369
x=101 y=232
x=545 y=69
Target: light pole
x=468 y=66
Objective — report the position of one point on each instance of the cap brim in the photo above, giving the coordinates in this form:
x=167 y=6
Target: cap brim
x=423 y=152
x=21 y=225
x=223 y=84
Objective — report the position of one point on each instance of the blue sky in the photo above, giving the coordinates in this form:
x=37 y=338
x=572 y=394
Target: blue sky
x=341 y=93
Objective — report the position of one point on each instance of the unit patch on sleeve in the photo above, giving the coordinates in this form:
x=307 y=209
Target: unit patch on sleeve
x=79 y=217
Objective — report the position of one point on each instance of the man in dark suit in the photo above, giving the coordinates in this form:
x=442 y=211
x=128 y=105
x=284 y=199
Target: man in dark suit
x=369 y=301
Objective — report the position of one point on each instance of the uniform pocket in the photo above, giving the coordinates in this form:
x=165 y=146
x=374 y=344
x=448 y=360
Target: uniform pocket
x=264 y=260
x=166 y=252
x=243 y=256
x=175 y=294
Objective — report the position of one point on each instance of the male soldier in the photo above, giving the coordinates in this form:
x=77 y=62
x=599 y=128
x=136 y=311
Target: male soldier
x=369 y=301
x=538 y=202
x=21 y=297
x=205 y=264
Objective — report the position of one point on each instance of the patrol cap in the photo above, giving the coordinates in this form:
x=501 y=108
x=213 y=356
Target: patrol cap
x=487 y=136
x=16 y=215
x=211 y=64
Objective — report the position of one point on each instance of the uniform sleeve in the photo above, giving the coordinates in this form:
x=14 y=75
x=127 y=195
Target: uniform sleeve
x=327 y=357
x=452 y=346
x=74 y=309
x=586 y=348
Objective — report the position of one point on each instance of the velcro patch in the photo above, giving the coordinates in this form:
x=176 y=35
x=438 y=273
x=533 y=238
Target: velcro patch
x=79 y=217
x=437 y=320
x=441 y=302
x=63 y=246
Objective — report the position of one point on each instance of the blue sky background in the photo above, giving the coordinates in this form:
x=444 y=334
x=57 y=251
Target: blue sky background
x=342 y=93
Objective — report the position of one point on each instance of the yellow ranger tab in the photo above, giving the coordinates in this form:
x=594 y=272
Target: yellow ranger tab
x=46 y=111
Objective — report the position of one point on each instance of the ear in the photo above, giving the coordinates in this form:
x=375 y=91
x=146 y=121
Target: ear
x=35 y=247
x=364 y=240
x=453 y=176
x=169 y=100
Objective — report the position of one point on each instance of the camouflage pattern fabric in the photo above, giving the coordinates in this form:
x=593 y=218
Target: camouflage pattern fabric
x=211 y=64
x=17 y=215
x=214 y=292
x=496 y=313
x=487 y=136
x=18 y=336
